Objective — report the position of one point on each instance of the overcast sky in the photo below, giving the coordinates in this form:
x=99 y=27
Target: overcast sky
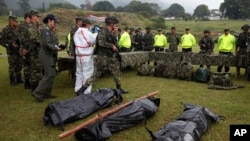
x=190 y=5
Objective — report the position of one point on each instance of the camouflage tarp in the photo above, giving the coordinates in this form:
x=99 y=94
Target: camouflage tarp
x=197 y=59
x=128 y=59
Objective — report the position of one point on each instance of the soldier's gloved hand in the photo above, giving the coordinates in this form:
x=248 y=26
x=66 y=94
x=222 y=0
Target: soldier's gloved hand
x=62 y=46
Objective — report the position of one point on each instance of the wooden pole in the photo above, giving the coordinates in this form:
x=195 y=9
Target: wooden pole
x=103 y=115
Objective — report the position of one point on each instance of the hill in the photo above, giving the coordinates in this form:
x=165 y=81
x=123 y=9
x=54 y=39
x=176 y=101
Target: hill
x=67 y=19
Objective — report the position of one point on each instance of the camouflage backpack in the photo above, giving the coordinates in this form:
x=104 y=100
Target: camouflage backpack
x=185 y=71
x=222 y=81
x=145 y=70
x=159 y=69
x=170 y=70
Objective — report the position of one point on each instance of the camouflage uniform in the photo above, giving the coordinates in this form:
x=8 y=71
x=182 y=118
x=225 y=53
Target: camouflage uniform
x=24 y=44
x=106 y=39
x=248 y=58
x=242 y=44
x=137 y=38
x=206 y=46
x=34 y=48
x=174 y=40
x=148 y=42
x=72 y=44
x=15 y=60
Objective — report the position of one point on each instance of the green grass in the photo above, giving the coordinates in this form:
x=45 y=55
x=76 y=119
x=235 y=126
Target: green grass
x=21 y=116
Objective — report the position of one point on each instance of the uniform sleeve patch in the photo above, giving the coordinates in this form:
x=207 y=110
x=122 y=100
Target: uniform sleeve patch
x=47 y=33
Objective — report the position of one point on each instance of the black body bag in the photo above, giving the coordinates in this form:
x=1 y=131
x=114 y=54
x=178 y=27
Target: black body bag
x=189 y=126
x=129 y=116
x=58 y=113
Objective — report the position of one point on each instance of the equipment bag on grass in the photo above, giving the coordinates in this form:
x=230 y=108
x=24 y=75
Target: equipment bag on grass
x=185 y=71
x=189 y=126
x=145 y=70
x=202 y=75
x=127 y=117
x=58 y=113
x=171 y=69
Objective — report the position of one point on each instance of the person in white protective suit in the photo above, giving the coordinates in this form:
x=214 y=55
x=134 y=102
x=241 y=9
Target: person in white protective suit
x=84 y=41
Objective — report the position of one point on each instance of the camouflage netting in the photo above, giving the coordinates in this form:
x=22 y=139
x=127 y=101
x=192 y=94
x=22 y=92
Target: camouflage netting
x=222 y=81
x=197 y=59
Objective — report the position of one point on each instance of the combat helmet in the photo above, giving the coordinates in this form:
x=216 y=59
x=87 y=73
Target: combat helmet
x=111 y=20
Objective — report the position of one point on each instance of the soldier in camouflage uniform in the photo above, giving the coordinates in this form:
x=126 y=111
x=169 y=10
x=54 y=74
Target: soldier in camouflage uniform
x=148 y=40
x=107 y=52
x=248 y=57
x=10 y=40
x=34 y=47
x=24 y=47
x=206 y=44
x=241 y=44
x=174 y=40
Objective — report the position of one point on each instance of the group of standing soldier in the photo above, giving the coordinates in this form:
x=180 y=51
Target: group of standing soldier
x=34 y=48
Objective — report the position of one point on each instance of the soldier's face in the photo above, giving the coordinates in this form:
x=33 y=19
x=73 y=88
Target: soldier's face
x=35 y=18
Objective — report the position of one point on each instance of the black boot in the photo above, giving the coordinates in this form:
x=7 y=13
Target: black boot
x=13 y=81
x=27 y=84
x=19 y=79
x=82 y=90
x=121 y=89
x=33 y=86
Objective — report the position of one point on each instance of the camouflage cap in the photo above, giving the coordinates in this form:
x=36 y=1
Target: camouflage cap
x=148 y=28
x=14 y=18
x=111 y=20
x=206 y=31
x=127 y=28
x=245 y=27
x=86 y=21
x=173 y=27
x=187 y=28
x=34 y=12
x=226 y=29
x=159 y=29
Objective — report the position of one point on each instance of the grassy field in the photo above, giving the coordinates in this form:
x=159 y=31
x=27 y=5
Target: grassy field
x=21 y=116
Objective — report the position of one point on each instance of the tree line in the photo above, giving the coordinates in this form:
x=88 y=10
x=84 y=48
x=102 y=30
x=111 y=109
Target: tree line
x=233 y=9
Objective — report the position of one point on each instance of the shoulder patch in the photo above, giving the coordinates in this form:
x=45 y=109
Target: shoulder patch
x=47 y=33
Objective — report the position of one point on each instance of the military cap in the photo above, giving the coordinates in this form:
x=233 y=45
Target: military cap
x=127 y=28
x=13 y=18
x=187 y=28
x=173 y=27
x=226 y=29
x=50 y=17
x=34 y=12
x=26 y=15
x=111 y=20
x=137 y=30
x=159 y=29
x=206 y=31
x=245 y=27
x=86 y=21
x=148 y=28
x=78 y=19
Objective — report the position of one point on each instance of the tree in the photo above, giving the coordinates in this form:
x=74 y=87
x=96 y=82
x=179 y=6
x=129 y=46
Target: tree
x=201 y=11
x=103 y=6
x=119 y=9
x=235 y=9
x=82 y=6
x=3 y=7
x=24 y=6
x=158 y=23
x=145 y=9
x=88 y=5
x=175 y=10
x=65 y=5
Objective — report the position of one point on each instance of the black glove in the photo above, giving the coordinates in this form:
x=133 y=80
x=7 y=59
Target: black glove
x=61 y=46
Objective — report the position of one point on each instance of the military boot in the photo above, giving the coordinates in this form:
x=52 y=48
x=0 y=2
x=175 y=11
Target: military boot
x=82 y=90
x=123 y=91
x=13 y=81
x=27 y=84
x=19 y=79
x=33 y=86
